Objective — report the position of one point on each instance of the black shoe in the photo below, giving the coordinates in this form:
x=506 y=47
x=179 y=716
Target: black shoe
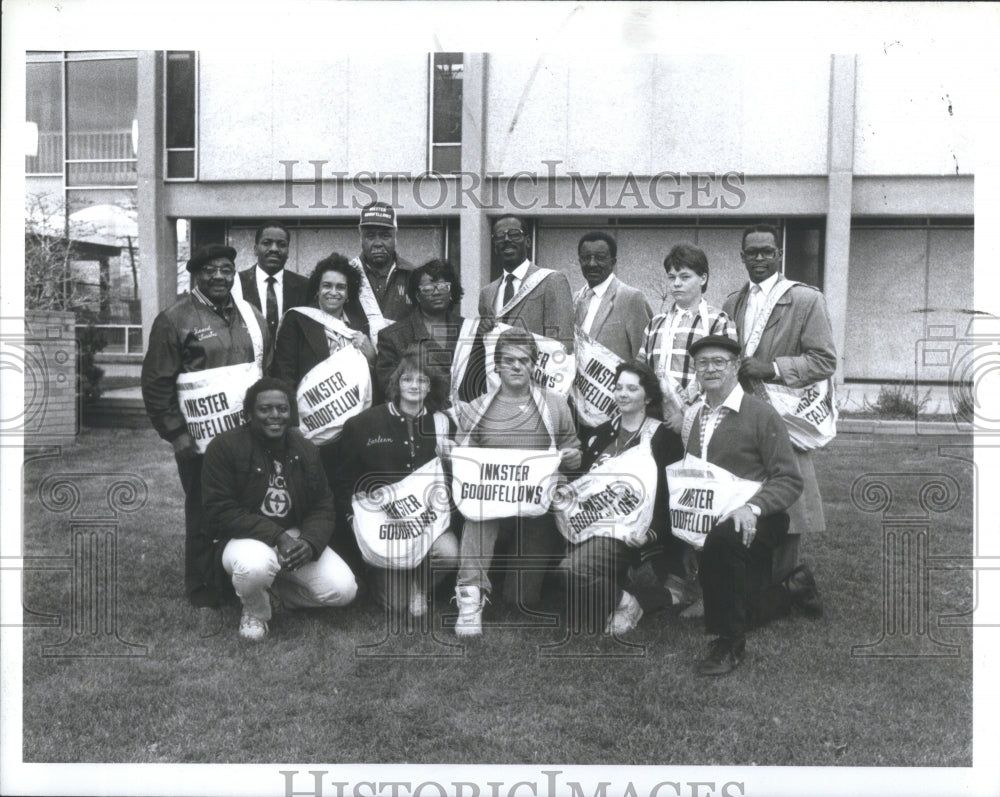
x=723 y=657
x=802 y=589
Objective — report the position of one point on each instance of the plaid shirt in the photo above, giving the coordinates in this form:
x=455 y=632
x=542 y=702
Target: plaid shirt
x=670 y=358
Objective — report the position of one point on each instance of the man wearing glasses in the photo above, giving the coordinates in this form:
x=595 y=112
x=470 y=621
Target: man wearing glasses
x=204 y=352
x=739 y=436
x=534 y=299
x=786 y=339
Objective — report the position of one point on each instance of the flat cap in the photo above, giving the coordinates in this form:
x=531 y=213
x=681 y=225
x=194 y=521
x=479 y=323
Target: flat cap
x=208 y=253
x=718 y=341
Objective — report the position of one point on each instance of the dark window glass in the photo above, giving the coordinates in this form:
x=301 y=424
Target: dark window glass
x=180 y=101
x=180 y=163
x=447 y=127
x=447 y=160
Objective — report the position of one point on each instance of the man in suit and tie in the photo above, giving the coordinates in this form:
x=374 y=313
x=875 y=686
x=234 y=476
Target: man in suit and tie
x=268 y=280
x=611 y=312
x=535 y=299
x=786 y=339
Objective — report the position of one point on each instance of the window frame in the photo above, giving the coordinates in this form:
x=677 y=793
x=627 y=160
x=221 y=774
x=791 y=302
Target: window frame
x=197 y=108
x=432 y=145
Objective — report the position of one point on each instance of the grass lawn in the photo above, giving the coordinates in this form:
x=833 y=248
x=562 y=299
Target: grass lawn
x=334 y=686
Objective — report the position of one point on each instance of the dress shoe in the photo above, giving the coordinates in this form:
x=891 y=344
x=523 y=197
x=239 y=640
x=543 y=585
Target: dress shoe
x=724 y=656
x=802 y=589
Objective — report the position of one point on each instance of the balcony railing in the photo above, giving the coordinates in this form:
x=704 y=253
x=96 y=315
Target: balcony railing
x=121 y=338
x=99 y=158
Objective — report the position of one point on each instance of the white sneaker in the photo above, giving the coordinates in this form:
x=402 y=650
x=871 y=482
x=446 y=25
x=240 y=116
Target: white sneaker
x=470 y=602
x=252 y=628
x=418 y=602
x=626 y=617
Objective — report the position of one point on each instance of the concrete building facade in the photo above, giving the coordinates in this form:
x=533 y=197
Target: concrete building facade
x=866 y=162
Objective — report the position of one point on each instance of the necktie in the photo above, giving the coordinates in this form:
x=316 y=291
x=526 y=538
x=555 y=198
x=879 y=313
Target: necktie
x=272 y=305
x=583 y=307
x=754 y=302
x=508 y=290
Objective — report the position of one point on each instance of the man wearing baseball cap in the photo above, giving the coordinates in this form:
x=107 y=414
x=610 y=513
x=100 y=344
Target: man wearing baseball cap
x=204 y=351
x=746 y=446
x=384 y=275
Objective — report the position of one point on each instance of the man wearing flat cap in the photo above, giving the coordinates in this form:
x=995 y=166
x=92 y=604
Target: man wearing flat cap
x=204 y=352
x=730 y=497
x=384 y=275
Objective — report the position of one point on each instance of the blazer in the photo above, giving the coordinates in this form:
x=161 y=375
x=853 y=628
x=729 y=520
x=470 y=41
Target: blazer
x=411 y=330
x=798 y=336
x=294 y=287
x=622 y=316
x=547 y=310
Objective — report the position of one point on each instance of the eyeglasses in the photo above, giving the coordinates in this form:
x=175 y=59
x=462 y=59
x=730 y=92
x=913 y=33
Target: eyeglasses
x=414 y=379
x=225 y=271
x=430 y=288
x=713 y=363
x=600 y=260
x=767 y=252
x=515 y=236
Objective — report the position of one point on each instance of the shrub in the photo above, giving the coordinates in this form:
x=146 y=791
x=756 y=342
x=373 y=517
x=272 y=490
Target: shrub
x=90 y=341
x=898 y=400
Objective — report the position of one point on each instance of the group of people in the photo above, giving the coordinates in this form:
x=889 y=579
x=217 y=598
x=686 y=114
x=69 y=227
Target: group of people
x=353 y=428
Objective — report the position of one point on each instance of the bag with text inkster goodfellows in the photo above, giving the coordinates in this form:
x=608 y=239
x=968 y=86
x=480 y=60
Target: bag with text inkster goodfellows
x=615 y=499
x=211 y=401
x=334 y=390
x=701 y=493
x=396 y=525
x=554 y=369
x=809 y=413
x=493 y=483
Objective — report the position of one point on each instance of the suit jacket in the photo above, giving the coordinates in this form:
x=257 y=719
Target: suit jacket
x=622 y=316
x=547 y=310
x=798 y=336
x=295 y=289
x=799 y=339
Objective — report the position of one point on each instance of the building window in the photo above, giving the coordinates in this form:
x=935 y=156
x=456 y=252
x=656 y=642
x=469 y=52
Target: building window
x=44 y=115
x=445 y=134
x=101 y=125
x=181 y=114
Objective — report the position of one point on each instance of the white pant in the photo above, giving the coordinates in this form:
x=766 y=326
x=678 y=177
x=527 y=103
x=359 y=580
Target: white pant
x=254 y=566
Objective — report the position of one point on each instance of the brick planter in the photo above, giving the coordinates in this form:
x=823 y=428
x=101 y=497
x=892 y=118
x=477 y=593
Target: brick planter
x=51 y=407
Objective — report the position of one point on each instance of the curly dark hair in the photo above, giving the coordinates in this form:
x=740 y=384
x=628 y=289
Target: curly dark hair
x=336 y=262
x=437 y=270
x=649 y=383
x=270 y=383
x=415 y=359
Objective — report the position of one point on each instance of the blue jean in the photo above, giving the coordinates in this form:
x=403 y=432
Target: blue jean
x=535 y=547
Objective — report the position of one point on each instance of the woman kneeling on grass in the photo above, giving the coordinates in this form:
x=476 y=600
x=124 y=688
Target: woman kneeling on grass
x=270 y=511
x=390 y=483
x=604 y=544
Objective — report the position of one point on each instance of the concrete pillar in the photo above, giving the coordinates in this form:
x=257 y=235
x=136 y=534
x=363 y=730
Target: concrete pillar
x=157 y=234
x=475 y=231
x=840 y=151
